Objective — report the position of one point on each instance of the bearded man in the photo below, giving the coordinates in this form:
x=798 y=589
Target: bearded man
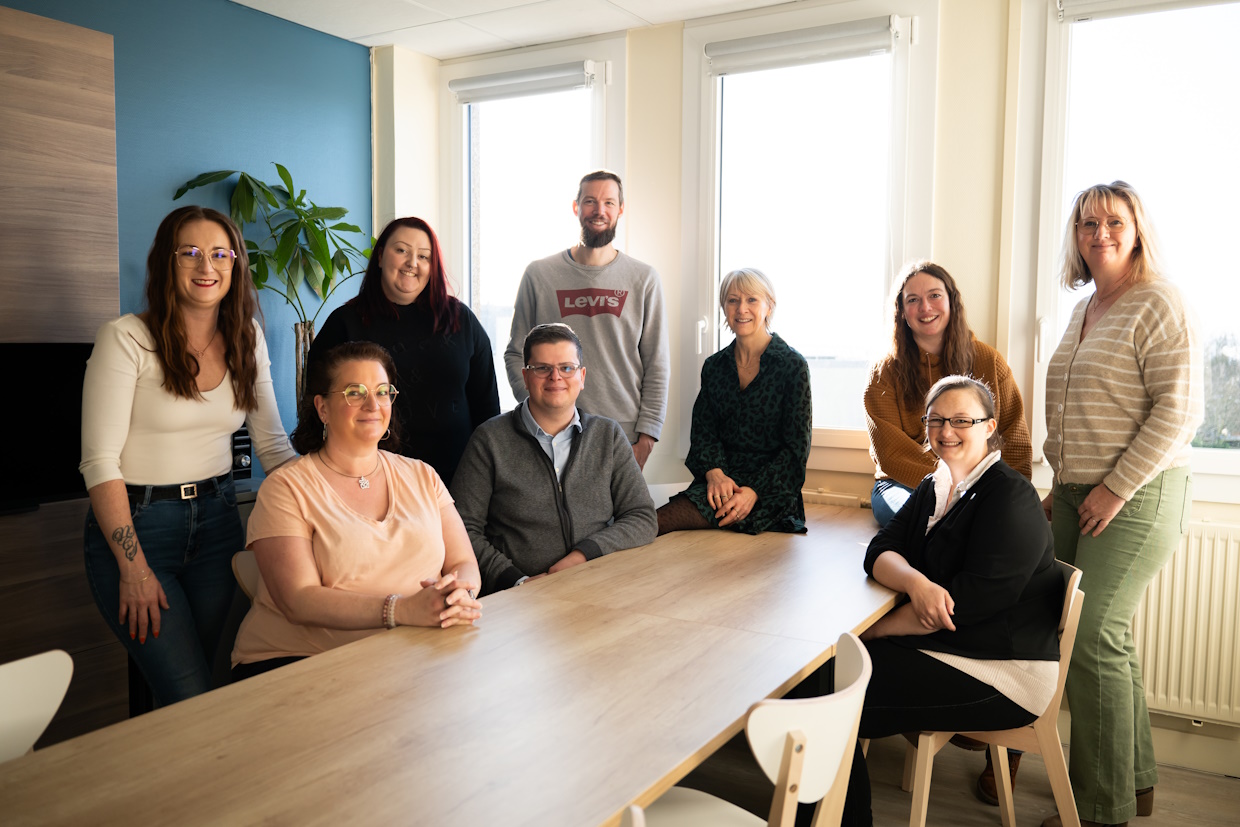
x=615 y=304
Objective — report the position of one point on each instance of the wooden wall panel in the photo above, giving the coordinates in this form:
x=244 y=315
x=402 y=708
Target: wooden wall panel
x=60 y=272
x=45 y=603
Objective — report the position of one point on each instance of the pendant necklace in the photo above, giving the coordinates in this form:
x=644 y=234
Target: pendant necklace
x=198 y=352
x=362 y=481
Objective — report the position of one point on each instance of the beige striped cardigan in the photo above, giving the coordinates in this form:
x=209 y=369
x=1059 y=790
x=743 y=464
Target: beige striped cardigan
x=1123 y=405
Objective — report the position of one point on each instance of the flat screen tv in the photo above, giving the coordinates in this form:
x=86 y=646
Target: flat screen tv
x=41 y=423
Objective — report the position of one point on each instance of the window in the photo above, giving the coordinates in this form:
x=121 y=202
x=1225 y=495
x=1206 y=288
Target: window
x=1155 y=119
x=806 y=172
x=522 y=135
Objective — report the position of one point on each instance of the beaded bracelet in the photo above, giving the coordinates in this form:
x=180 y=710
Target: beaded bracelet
x=389 y=611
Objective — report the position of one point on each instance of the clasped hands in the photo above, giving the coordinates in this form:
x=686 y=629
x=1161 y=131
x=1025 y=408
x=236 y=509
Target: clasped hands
x=443 y=602
x=732 y=502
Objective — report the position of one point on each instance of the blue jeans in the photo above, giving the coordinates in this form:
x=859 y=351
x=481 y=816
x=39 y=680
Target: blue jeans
x=887 y=498
x=189 y=546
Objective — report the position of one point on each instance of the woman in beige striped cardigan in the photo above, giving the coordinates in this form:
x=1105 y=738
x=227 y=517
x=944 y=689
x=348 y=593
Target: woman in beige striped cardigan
x=1123 y=400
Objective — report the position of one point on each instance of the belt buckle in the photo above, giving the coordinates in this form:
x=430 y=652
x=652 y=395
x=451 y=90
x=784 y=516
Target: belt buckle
x=189 y=491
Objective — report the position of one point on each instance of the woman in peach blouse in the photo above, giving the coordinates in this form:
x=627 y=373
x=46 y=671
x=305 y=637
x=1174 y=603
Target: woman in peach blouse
x=351 y=538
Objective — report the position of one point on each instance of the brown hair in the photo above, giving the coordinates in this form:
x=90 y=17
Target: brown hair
x=321 y=375
x=980 y=390
x=1146 y=258
x=549 y=334
x=372 y=302
x=956 y=356
x=600 y=175
x=236 y=312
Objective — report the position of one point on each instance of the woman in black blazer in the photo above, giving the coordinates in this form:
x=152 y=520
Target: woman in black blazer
x=974 y=646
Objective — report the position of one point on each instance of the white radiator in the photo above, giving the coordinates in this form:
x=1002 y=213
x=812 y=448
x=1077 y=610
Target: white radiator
x=1187 y=628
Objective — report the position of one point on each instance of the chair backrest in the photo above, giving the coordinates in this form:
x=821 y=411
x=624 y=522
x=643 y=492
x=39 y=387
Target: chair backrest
x=1069 y=619
x=31 y=690
x=245 y=569
x=634 y=816
x=829 y=724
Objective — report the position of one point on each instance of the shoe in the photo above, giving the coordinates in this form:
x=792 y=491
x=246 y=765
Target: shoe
x=1145 y=802
x=986 y=788
x=1055 y=821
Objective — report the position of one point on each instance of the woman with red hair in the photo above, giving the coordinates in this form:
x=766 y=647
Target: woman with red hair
x=445 y=368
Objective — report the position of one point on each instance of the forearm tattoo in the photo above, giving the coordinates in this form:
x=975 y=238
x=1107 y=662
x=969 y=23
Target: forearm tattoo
x=124 y=537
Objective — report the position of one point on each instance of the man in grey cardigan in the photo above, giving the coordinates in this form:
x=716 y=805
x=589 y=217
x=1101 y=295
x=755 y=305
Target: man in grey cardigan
x=545 y=487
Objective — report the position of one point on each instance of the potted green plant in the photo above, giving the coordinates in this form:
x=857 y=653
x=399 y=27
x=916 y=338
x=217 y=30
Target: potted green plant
x=292 y=240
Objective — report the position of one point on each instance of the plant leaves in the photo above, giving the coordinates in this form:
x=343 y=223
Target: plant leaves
x=287 y=248
x=259 y=272
x=345 y=228
x=203 y=180
x=326 y=213
x=285 y=177
x=317 y=278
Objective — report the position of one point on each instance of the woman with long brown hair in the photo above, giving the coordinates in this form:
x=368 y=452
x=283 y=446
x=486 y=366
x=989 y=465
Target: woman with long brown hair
x=164 y=391
x=444 y=364
x=931 y=339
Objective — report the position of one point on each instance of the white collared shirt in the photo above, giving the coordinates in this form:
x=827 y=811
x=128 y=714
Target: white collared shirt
x=946 y=495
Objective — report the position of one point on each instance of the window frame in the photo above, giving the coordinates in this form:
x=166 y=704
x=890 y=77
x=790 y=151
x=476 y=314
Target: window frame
x=915 y=83
x=1216 y=471
x=608 y=134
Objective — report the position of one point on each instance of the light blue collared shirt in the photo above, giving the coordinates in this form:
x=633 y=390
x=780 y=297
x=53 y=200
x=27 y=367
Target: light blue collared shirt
x=555 y=447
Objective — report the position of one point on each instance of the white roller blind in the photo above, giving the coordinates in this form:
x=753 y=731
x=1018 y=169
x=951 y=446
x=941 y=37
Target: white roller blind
x=522 y=82
x=1074 y=10
x=813 y=45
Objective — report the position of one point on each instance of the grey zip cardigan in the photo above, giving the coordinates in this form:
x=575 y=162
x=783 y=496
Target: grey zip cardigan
x=522 y=520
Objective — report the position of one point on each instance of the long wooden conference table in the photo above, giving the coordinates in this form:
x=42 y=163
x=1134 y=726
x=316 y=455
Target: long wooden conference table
x=575 y=696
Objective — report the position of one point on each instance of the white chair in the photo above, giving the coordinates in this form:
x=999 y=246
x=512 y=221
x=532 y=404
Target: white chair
x=245 y=569
x=633 y=817
x=1042 y=736
x=804 y=746
x=31 y=690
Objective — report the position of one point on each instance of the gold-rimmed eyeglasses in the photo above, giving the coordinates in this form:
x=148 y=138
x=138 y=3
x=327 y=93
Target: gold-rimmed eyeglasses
x=355 y=394
x=1088 y=227
x=190 y=258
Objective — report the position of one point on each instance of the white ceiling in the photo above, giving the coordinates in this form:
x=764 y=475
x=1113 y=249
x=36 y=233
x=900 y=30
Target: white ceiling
x=453 y=28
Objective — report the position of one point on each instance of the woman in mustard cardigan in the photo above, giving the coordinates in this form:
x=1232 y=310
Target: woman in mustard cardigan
x=931 y=339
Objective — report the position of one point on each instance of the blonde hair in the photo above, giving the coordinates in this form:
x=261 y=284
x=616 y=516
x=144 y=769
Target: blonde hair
x=749 y=281
x=1146 y=259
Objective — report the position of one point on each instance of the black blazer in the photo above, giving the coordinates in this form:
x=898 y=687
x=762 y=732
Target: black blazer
x=994 y=554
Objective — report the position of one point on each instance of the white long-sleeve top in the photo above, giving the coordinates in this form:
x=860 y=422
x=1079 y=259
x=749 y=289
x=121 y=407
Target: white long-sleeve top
x=134 y=430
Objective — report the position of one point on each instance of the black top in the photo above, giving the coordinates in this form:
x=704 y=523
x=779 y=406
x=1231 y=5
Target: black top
x=446 y=382
x=758 y=436
x=994 y=554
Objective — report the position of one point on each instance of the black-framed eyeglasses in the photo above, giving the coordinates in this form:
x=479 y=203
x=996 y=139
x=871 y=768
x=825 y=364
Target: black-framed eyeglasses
x=567 y=370
x=1089 y=227
x=356 y=394
x=190 y=258
x=958 y=422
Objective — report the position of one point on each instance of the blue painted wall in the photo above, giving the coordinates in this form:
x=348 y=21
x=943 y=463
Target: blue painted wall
x=208 y=84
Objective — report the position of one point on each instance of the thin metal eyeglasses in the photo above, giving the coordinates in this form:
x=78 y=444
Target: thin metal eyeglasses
x=191 y=258
x=958 y=422
x=567 y=370
x=356 y=394
x=1089 y=226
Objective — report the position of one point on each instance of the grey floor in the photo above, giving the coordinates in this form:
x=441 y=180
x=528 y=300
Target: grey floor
x=1183 y=797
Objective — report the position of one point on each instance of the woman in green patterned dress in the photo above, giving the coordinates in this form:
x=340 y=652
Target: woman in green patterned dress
x=751 y=424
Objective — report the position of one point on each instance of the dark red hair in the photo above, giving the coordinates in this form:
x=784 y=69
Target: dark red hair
x=373 y=303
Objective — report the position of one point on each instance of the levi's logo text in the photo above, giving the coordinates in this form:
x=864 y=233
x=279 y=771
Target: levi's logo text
x=590 y=301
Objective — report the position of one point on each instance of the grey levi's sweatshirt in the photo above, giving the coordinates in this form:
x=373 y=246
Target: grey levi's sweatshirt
x=521 y=520
x=617 y=312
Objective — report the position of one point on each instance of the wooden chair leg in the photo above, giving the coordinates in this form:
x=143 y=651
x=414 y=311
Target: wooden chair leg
x=1003 y=784
x=910 y=764
x=921 y=781
x=1057 y=771
x=865 y=747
